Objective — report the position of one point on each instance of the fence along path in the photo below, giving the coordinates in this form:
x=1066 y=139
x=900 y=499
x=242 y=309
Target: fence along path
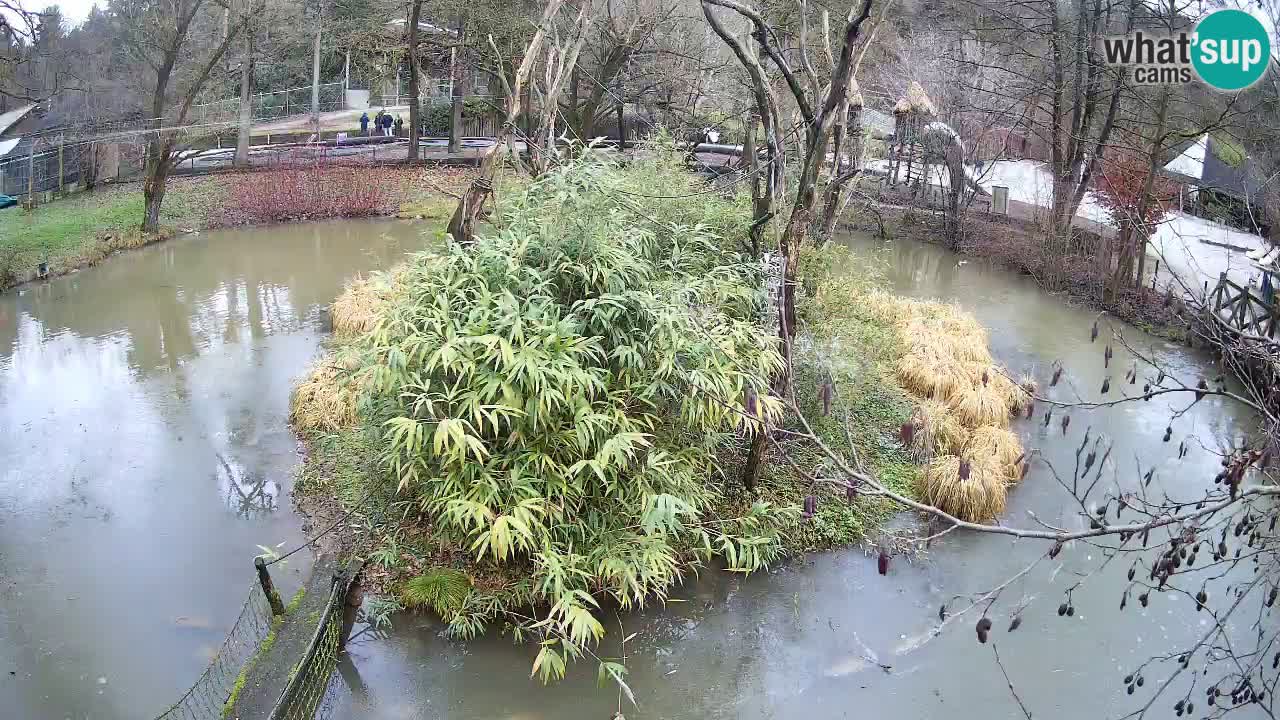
x=207 y=697
x=1244 y=311
x=289 y=676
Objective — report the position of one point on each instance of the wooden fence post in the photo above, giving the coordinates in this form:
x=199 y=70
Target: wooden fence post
x=268 y=587
x=62 y=176
x=351 y=607
x=31 y=174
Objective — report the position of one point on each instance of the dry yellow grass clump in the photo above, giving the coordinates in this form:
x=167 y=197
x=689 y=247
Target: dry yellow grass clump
x=937 y=432
x=931 y=374
x=967 y=401
x=328 y=397
x=326 y=400
x=978 y=497
x=1001 y=446
x=979 y=405
x=356 y=310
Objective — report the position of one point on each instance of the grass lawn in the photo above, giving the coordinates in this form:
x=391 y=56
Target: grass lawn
x=84 y=228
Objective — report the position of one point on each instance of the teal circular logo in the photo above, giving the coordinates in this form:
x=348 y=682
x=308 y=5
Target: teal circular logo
x=1231 y=49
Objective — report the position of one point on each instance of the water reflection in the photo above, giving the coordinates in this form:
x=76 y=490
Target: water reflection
x=145 y=455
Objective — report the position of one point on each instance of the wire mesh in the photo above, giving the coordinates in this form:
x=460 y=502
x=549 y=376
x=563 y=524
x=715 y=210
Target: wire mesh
x=207 y=697
x=308 y=690
x=48 y=169
x=271 y=105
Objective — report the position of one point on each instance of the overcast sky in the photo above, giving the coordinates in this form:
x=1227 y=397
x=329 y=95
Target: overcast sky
x=75 y=11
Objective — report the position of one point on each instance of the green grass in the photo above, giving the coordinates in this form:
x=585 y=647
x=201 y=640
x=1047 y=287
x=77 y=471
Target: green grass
x=858 y=350
x=295 y=601
x=85 y=228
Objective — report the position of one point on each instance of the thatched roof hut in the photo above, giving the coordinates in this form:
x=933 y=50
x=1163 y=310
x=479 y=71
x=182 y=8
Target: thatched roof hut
x=919 y=100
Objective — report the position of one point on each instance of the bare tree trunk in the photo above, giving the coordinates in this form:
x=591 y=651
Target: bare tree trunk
x=457 y=95
x=246 y=103
x=1155 y=149
x=155 y=183
x=841 y=173
x=759 y=206
x=622 y=121
x=819 y=115
x=415 y=109
x=160 y=141
x=467 y=214
x=315 y=82
x=751 y=468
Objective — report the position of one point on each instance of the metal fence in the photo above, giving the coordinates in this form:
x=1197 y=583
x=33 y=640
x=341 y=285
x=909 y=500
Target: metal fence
x=309 y=691
x=272 y=105
x=43 y=168
x=207 y=698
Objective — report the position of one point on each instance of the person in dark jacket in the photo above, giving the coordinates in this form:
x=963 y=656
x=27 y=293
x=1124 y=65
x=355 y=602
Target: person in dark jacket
x=399 y=125
x=364 y=123
x=386 y=124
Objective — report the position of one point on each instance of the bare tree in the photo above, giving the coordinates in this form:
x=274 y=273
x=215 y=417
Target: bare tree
x=415 y=109
x=467 y=214
x=560 y=62
x=33 y=65
x=818 y=109
x=246 y=99
x=167 y=40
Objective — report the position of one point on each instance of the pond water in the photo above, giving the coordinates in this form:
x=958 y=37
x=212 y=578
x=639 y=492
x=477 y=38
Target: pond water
x=809 y=639
x=145 y=455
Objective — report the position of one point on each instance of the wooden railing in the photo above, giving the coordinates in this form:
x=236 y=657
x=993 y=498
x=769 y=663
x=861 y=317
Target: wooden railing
x=1241 y=309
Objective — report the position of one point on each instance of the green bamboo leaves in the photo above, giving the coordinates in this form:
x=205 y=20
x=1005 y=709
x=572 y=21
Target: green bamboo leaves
x=554 y=395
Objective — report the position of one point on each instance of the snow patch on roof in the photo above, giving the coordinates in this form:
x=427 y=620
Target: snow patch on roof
x=12 y=117
x=7 y=146
x=1191 y=161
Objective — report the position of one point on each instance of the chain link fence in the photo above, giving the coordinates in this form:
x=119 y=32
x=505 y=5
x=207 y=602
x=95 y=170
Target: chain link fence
x=272 y=105
x=43 y=167
x=207 y=698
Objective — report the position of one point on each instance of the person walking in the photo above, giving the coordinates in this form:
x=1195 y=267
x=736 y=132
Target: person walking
x=377 y=122
x=386 y=125
x=399 y=125
x=364 y=123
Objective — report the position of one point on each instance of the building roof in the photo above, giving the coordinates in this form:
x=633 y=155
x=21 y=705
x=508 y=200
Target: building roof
x=11 y=118
x=423 y=25
x=7 y=146
x=1200 y=162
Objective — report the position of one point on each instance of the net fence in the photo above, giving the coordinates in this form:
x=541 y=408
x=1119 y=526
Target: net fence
x=206 y=699
x=39 y=168
x=309 y=692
